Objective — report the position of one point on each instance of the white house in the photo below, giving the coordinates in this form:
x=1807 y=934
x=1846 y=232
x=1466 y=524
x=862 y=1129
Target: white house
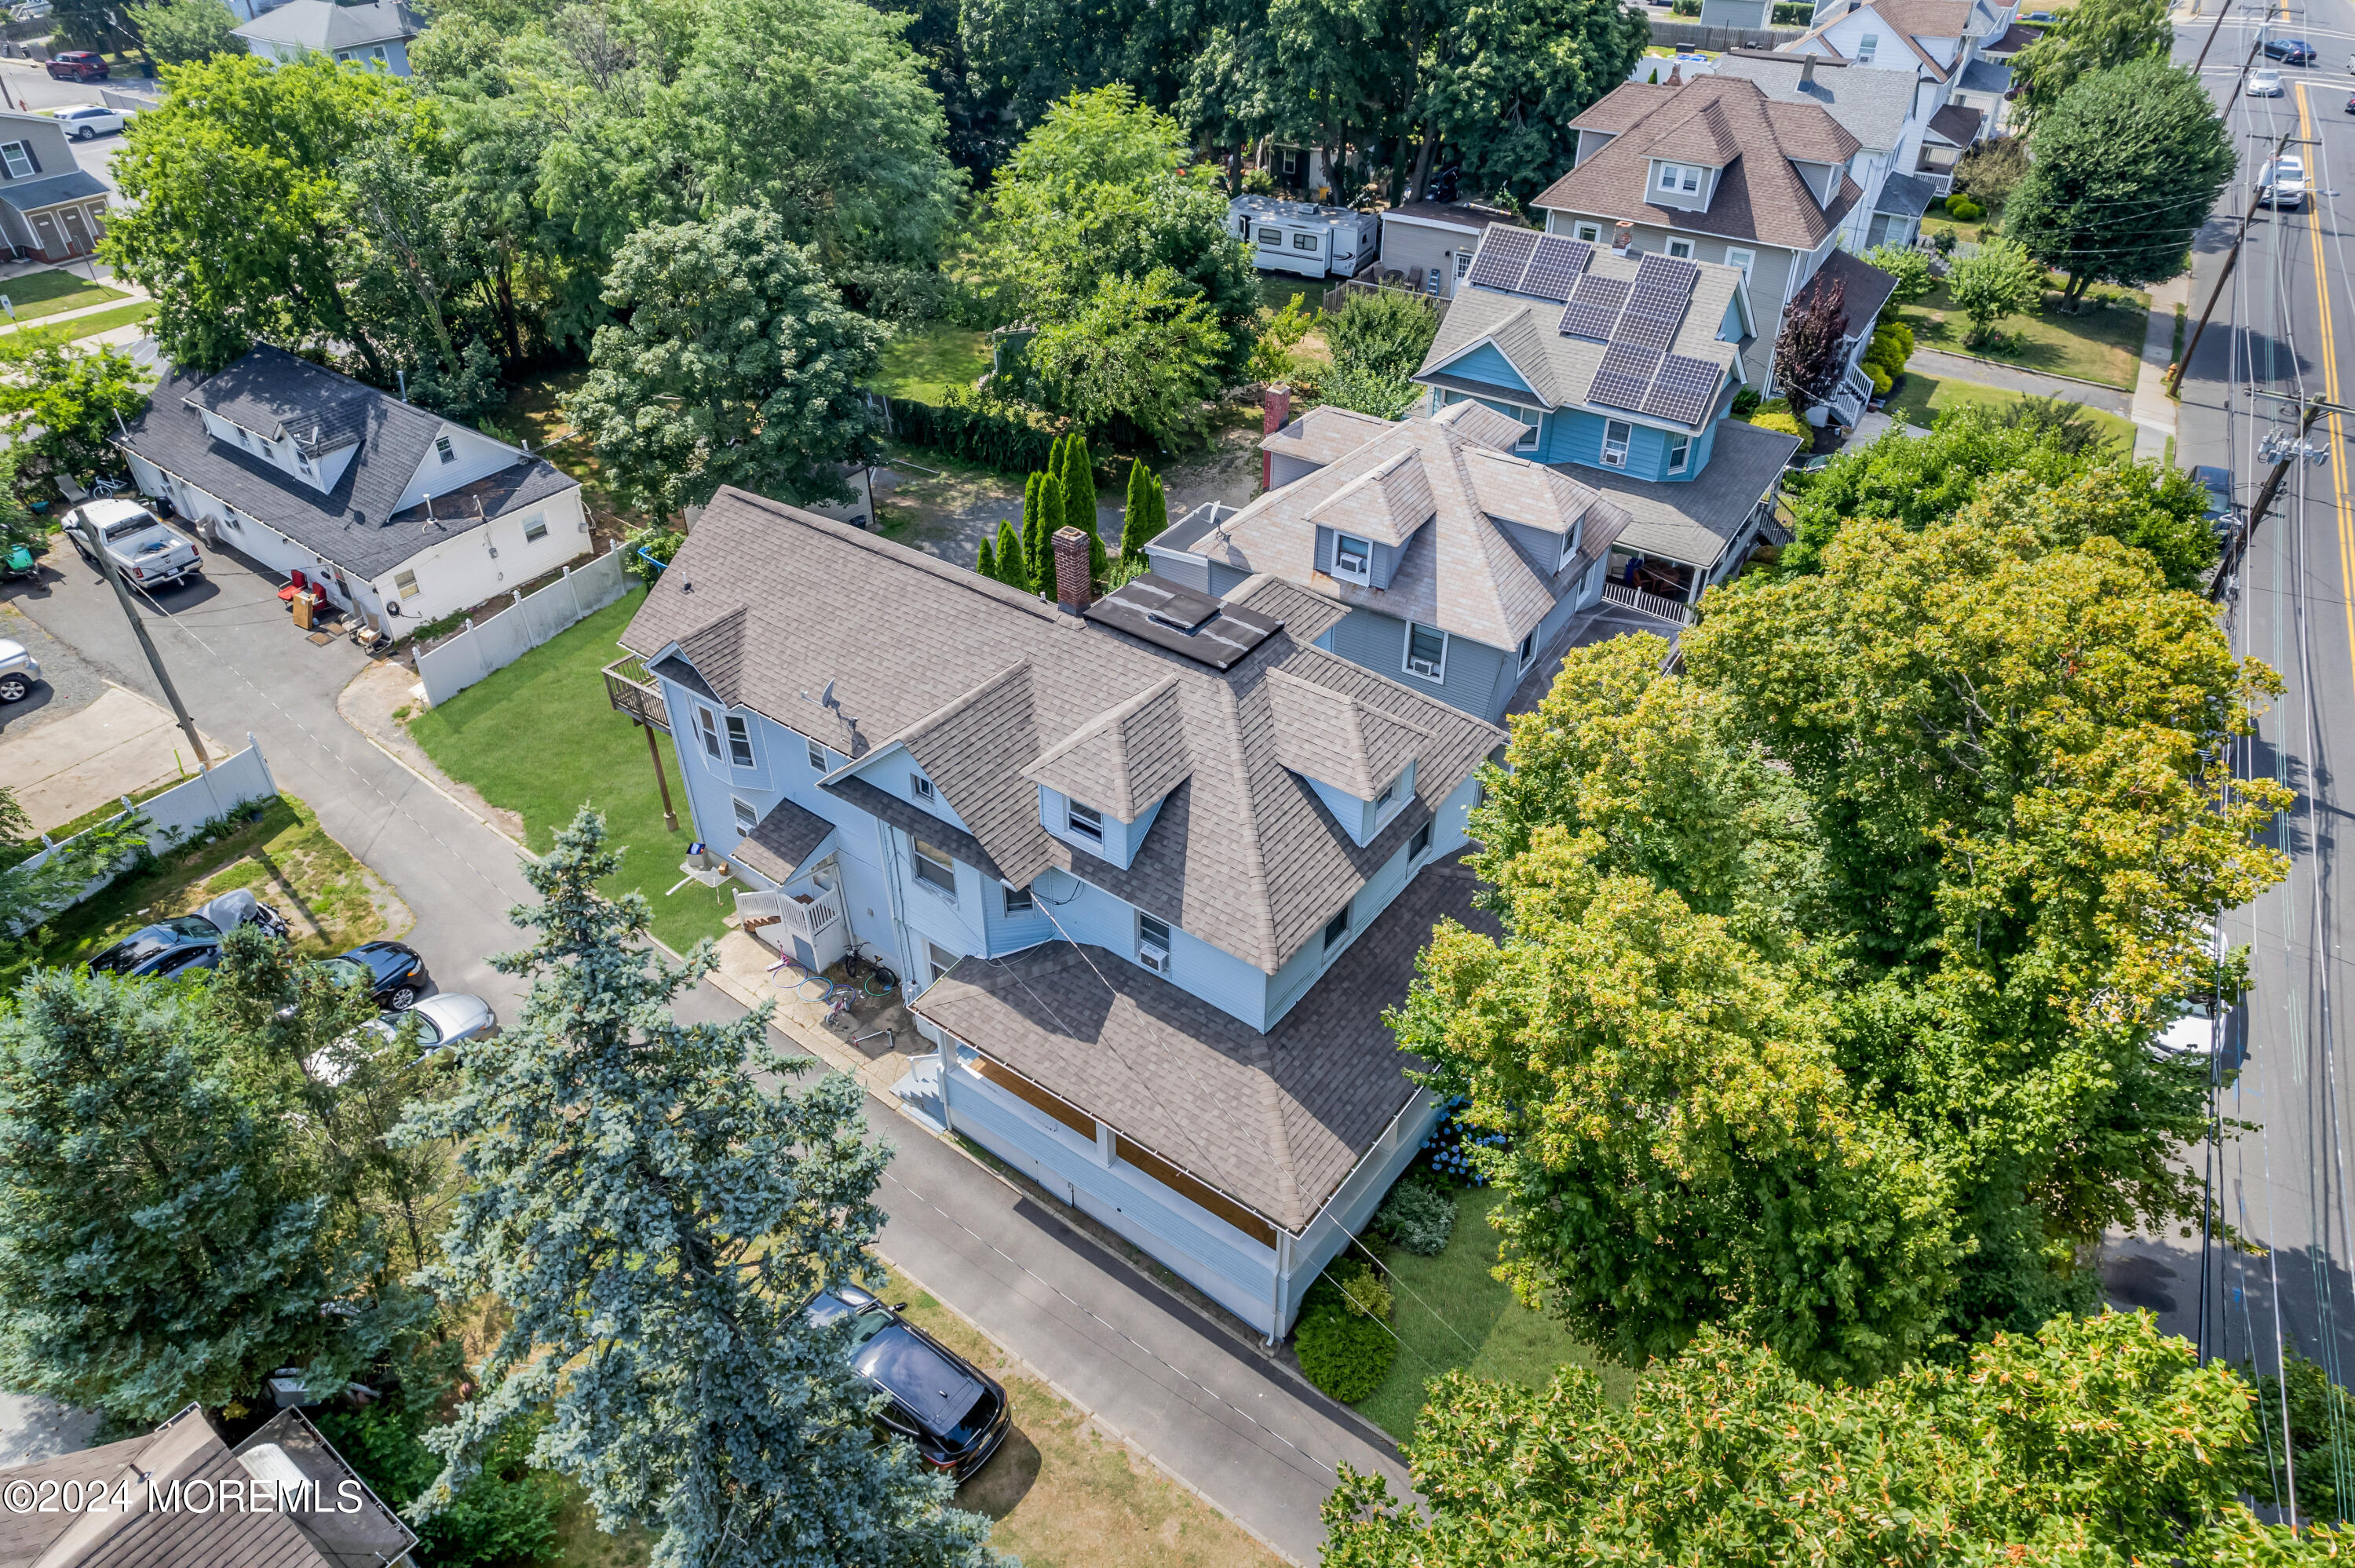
x=401 y=514
x=1952 y=50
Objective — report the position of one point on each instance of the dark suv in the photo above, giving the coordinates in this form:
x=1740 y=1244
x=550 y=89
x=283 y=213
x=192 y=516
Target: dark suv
x=79 y=65
x=2290 y=51
x=953 y=1412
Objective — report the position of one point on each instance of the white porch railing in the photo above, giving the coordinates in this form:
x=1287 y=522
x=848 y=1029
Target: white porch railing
x=809 y=915
x=1650 y=604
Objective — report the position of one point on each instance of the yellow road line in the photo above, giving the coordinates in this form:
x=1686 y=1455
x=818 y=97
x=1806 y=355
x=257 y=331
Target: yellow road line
x=2329 y=356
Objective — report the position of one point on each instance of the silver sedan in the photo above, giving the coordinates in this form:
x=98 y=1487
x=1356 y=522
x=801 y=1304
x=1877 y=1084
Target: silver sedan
x=443 y=1020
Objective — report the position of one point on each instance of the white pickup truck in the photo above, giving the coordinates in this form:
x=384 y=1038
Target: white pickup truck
x=145 y=550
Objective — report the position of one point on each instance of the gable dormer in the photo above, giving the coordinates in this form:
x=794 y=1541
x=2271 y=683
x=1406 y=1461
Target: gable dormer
x=1101 y=788
x=1358 y=760
x=453 y=458
x=313 y=446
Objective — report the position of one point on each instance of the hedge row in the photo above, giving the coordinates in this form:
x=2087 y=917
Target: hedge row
x=1008 y=439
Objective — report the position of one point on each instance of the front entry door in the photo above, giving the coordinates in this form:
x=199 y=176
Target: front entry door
x=76 y=232
x=44 y=235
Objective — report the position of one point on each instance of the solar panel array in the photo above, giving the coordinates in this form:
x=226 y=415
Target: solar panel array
x=1558 y=264
x=1668 y=272
x=1593 y=307
x=1504 y=253
x=1684 y=389
x=1628 y=369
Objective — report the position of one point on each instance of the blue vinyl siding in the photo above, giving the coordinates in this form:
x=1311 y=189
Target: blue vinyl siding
x=1486 y=364
x=1574 y=435
x=1378 y=641
x=1381 y=564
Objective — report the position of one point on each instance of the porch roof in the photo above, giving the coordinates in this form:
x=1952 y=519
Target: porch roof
x=783 y=841
x=33 y=196
x=1696 y=520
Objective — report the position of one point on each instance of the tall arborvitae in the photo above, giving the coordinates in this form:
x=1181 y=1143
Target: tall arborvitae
x=1013 y=566
x=985 y=560
x=1031 y=537
x=1147 y=513
x=1079 y=484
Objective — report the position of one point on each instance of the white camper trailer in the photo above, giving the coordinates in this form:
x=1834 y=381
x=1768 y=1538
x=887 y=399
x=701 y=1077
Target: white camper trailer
x=1303 y=237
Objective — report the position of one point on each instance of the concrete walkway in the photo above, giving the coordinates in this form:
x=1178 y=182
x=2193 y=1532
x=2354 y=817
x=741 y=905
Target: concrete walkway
x=2153 y=410
x=132 y=295
x=1992 y=373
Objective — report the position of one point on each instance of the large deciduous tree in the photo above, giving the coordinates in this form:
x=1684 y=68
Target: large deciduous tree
x=1144 y=350
x=1811 y=351
x=2031 y=452
x=182 y=32
x=737 y=365
x=2088 y=37
x=652 y=1217
x=2095 y=1441
x=1507 y=79
x=1832 y=963
x=2129 y=163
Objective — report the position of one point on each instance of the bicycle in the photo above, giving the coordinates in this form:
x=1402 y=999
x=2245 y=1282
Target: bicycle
x=869 y=975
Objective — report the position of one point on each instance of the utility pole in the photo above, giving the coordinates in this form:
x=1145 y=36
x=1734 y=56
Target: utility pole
x=139 y=630
x=2232 y=259
x=2284 y=451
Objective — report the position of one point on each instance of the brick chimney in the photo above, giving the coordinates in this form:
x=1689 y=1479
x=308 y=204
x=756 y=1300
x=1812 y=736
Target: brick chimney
x=1622 y=237
x=1073 y=591
x=1676 y=75
x=1275 y=412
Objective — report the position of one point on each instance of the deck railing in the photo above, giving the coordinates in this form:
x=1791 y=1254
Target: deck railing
x=1652 y=604
x=629 y=692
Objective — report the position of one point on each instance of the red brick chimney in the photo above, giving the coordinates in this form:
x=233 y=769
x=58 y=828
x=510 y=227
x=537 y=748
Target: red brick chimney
x=1676 y=74
x=1275 y=412
x=1623 y=236
x=1074 y=590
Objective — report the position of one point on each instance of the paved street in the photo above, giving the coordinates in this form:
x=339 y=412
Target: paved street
x=1210 y=1409
x=2283 y=1181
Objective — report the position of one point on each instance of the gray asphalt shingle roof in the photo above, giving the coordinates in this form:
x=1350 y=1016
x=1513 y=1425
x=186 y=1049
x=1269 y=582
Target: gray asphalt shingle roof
x=48 y=191
x=352 y=525
x=326 y=26
x=979 y=681
x=1871 y=105
x=1695 y=520
x=1275 y=1120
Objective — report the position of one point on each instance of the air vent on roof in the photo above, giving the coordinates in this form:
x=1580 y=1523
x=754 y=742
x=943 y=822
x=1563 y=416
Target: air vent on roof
x=1170 y=615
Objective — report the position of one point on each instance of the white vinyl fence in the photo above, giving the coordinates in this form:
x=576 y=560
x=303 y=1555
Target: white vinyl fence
x=230 y=783
x=495 y=643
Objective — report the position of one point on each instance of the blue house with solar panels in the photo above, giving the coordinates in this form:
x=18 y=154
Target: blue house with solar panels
x=1623 y=369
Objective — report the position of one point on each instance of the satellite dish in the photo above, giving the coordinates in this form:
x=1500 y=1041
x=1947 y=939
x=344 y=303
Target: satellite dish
x=826 y=698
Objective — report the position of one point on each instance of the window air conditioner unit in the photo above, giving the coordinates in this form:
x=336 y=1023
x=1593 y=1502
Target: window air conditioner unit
x=1425 y=668
x=1153 y=957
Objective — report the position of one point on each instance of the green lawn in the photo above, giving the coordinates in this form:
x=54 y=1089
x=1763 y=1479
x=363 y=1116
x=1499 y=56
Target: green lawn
x=539 y=739
x=927 y=363
x=2100 y=344
x=1922 y=397
x=30 y=338
x=1452 y=1314
x=37 y=295
x=1276 y=289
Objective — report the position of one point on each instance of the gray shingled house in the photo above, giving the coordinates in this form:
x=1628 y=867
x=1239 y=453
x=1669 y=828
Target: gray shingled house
x=1151 y=866
x=181 y=1498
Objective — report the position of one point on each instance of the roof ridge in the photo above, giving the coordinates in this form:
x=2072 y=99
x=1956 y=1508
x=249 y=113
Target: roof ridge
x=1481 y=530
x=1103 y=722
x=1253 y=857
x=950 y=709
x=1279 y=1137
x=890 y=550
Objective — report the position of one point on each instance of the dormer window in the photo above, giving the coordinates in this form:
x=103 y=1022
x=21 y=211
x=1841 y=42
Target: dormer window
x=1569 y=542
x=1865 y=50
x=1680 y=179
x=303 y=466
x=443 y=450
x=1353 y=560
x=1391 y=791
x=1528 y=650
x=1084 y=821
x=921 y=787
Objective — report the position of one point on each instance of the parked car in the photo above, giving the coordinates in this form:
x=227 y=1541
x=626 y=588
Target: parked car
x=444 y=1021
x=18 y=671
x=2193 y=1033
x=393 y=972
x=145 y=550
x=2290 y=51
x=79 y=65
x=186 y=943
x=84 y=121
x=2265 y=82
x=955 y=1413
x=2217 y=482
x=2284 y=183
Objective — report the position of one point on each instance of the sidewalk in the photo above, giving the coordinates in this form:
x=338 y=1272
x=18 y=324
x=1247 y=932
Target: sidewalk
x=2154 y=410
x=1992 y=373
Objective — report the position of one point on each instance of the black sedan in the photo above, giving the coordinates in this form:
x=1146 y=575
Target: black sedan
x=393 y=972
x=2290 y=51
x=184 y=944
x=953 y=1412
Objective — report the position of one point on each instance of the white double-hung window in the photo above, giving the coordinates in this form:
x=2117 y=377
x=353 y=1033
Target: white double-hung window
x=935 y=868
x=1427 y=651
x=1617 y=434
x=1680 y=179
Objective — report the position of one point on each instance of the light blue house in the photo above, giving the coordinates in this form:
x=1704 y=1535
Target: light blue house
x=372 y=33
x=1151 y=867
x=1622 y=369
